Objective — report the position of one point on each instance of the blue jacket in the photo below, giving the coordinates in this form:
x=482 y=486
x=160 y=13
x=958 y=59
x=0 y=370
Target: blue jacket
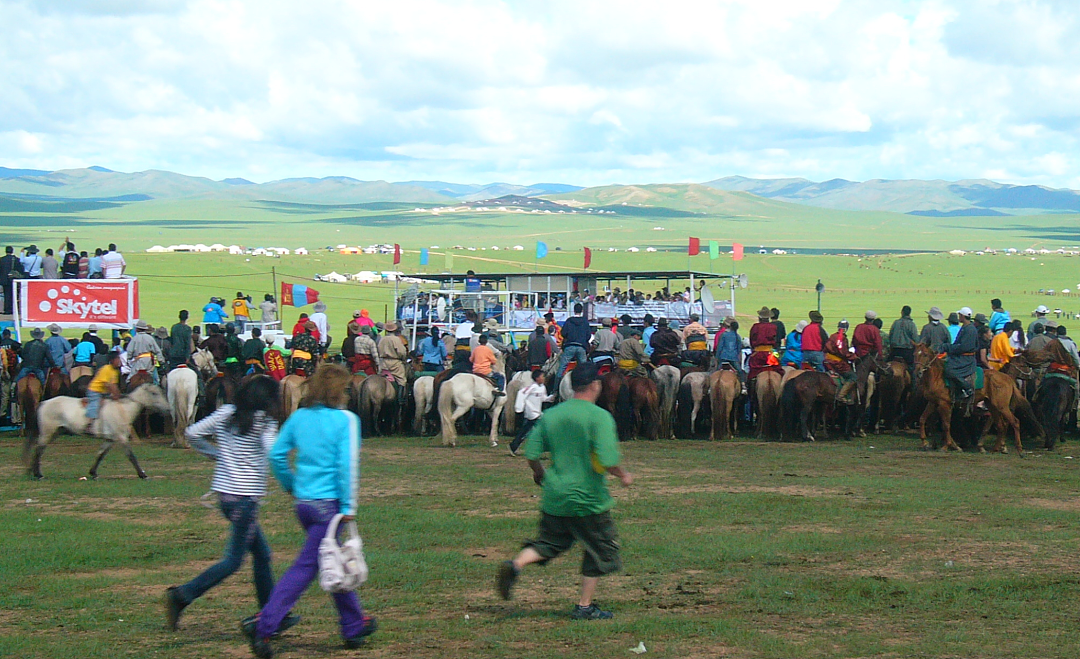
x=645 y=336
x=793 y=349
x=213 y=313
x=58 y=347
x=432 y=351
x=84 y=352
x=998 y=320
x=327 y=461
x=730 y=348
x=576 y=331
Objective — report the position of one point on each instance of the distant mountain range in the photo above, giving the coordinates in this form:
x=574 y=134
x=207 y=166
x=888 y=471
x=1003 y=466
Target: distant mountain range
x=928 y=198
x=721 y=196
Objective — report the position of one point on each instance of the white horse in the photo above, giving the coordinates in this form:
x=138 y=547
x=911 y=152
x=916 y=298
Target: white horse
x=667 y=388
x=423 y=391
x=182 y=388
x=462 y=393
x=693 y=391
x=113 y=424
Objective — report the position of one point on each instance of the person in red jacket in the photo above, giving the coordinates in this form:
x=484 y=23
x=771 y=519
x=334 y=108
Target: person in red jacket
x=866 y=339
x=762 y=343
x=813 y=343
x=838 y=353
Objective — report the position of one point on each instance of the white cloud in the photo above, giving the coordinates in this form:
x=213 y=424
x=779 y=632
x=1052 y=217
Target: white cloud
x=587 y=93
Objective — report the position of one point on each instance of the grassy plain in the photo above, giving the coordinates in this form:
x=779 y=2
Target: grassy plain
x=834 y=549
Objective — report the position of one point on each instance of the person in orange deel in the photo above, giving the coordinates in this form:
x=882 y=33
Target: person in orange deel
x=483 y=358
x=1001 y=350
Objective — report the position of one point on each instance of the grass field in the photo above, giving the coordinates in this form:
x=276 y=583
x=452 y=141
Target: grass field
x=834 y=549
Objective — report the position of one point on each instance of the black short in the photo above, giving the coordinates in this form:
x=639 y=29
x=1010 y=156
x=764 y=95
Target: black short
x=597 y=534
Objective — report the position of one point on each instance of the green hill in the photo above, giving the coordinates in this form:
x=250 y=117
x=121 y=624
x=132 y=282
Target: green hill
x=684 y=196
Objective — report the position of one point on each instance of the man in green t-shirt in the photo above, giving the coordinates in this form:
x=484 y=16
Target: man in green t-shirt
x=575 y=506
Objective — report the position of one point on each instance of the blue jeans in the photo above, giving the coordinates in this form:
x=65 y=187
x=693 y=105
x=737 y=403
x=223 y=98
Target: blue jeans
x=569 y=353
x=315 y=517
x=243 y=513
x=93 y=404
x=815 y=358
x=26 y=370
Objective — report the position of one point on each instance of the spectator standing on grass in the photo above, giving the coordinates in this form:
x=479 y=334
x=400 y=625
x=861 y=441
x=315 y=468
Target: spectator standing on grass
x=93 y=265
x=575 y=505
x=50 y=267
x=113 y=264
x=31 y=262
x=323 y=479
x=243 y=435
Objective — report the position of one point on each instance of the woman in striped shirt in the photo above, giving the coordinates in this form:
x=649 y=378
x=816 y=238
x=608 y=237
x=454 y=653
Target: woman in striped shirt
x=244 y=434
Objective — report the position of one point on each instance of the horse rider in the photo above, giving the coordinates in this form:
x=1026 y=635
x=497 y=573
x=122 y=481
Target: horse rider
x=553 y=327
x=59 y=347
x=101 y=350
x=483 y=359
x=432 y=352
x=632 y=357
x=215 y=343
x=365 y=359
x=36 y=357
x=866 y=339
x=1068 y=344
x=1001 y=350
x=665 y=344
x=604 y=342
x=392 y=356
x=495 y=342
x=234 y=350
x=253 y=352
x=960 y=367
x=305 y=351
x=180 y=347
x=793 y=355
x=274 y=359
x=838 y=352
x=463 y=335
x=903 y=335
x=999 y=318
x=696 y=338
x=143 y=350
x=933 y=333
x=576 y=335
x=1040 y=319
x=106 y=382
x=763 y=342
x=1039 y=339
x=318 y=317
x=729 y=352
x=539 y=348
x=814 y=339
x=647 y=331
x=781 y=329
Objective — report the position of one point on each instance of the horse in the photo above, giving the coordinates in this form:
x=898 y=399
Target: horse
x=292 y=391
x=514 y=386
x=767 y=393
x=182 y=388
x=28 y=393
x=355 y=383
x=667 y=389
x=801 y=397
x=80 y=371
x=57 y=383
x=143 y=419
x=1054 y=400
x=113 y=424
x=219 y=390
x=423 y=391
x=379 y=406
x=462 y=393
x=693 y=398
x=893 y=394
x=999 y=390
x=724 y=390
x=633 y=401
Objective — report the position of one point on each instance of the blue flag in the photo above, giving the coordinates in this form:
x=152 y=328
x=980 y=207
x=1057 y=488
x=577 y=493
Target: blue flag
x=423 y=256
x=541 y=250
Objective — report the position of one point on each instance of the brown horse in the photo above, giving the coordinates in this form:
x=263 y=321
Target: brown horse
x=767 y=392
x=292 y=391
x=893 y=394
x=724 y=390
x=634 y=403
x=219 y=390
x=28 y=393
x=57 y=383
x=378 y=406
x=999 y=391
x=802 y=404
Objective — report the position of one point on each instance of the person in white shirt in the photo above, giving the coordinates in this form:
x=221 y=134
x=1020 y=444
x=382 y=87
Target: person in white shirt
x=319 y=318
x=113 y=264
x=530 y=400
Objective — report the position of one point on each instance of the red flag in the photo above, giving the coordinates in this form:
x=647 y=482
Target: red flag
x=588 y=258
x=397 y=253
x=695 y=247
x=736 y=251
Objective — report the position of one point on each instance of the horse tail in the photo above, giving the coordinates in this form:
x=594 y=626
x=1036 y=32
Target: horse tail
x=446 y=412
x=684 y=406
x=624 y=412
x=767 y=397
x=790 y=406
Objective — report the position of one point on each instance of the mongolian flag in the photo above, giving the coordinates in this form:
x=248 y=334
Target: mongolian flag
x=423 y=256
x=695 y=247
x=736 y=252
x=397 y=253
x=541 y=250
x=588 y=258
x=298 y=295
x=714 y=250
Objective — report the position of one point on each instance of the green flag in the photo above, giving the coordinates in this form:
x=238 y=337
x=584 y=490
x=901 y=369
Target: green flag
x=714 y=250
x=449 y=261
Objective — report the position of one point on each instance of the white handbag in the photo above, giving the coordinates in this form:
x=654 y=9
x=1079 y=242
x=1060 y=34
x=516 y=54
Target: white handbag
x=342 y=567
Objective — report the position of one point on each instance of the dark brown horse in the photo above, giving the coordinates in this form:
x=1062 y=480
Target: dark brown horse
x=219 y=390
x=803 y=404
x=893 y=393
x=28 y=393
x=57 y=383
x=634 y=403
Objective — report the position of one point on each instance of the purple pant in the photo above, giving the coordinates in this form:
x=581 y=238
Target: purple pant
x=314 y=516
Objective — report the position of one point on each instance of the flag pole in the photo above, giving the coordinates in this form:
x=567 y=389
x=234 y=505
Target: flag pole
x=273 y=274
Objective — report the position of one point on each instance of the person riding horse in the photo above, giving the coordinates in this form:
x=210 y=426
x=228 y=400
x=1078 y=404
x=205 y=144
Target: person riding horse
x=763 y=341
x=365 y=358
x=838 y=354
x=143 y=350
x=252 y=352
x=696 y=338
x=605 y=342
x=632 y=357
x=665 y=343
x=305 y=351
x=36 y=358
x=392 y=356
x=960 y=367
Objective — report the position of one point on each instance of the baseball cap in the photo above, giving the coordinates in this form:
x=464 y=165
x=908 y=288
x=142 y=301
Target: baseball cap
x=584 y=374
x=965 y=311
x=1041 y=309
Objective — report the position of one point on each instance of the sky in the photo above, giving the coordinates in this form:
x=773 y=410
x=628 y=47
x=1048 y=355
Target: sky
x=582 y=92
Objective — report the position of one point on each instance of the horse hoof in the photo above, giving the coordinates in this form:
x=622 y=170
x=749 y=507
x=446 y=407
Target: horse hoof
x=142 y=475
x=494 y=444
x=93 y=477
x=982 y=450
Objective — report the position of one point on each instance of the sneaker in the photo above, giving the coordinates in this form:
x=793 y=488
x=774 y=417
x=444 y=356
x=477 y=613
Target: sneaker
x=288 y=623
x=590 y=612
x=370 y=625
x=260 y=647
x=173 y=607
x=505 y=578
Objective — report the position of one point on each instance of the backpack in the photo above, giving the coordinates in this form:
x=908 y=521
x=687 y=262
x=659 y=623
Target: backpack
x=342 y=567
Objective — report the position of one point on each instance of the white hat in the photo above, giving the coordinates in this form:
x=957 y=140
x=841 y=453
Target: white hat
x=871 y=315
x=965 y=311
x=800 y=326
x=1041 y=309
x=92 y=328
